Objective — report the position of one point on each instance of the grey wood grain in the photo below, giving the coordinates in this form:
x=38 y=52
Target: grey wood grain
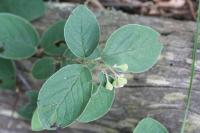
x=158 y=93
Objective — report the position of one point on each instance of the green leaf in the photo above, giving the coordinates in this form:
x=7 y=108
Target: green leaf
x=103 y=80
x=28 y=9
x=53 y=40
x=82 y=32
x=43 y=68
x=18 y=39
x=135 y=45
x=95 y=54
x=26 y=111
x=149 y=125
x=7 y=74
x=99 y=104
x=67 y=62
x=64 y=96
x=35 y=122
x=69 y=55
x=70 y=58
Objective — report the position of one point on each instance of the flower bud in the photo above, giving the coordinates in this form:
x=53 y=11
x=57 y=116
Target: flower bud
x=119 y=82
x=109 y=86
x=122 y=67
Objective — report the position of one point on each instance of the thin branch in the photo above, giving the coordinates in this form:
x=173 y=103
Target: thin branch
x=191 y=7
x=14 y=106
x=22 y=79
x=113 y=71
x=194 y=56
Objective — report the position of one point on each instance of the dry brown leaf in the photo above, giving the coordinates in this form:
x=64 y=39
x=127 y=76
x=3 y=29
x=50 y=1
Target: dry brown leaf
x=96 y=4
x=170 y=3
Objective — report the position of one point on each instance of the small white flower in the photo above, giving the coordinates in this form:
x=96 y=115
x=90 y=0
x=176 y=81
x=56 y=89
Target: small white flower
x=109 y=86
x=120 y=82
x=122 y=67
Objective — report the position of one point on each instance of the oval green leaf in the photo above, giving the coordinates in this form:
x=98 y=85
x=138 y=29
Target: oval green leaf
x=64 y=96
x=100 y=103
x=53 y=41
x=95 y=54
x=35 y=122
x=68 y=62
x=18 y=39
x=28 y=9
x=70 y=58
x=82 y=32
x=43 y=68
x=26 y=111
x=149 y=125
x=7 y=74
x=135 y=45
x=68 y=54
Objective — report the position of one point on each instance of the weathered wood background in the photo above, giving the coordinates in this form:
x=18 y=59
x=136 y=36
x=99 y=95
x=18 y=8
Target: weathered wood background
x=158 y=93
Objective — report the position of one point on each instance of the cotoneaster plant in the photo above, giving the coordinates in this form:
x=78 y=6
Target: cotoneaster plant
x=71 y=94
x=70 y=56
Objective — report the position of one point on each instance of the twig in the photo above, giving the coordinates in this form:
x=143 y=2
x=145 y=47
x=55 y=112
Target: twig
x=14 y=107
x=115 y=74
x=194 y=56
x=23 y=80
x=191 y=7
